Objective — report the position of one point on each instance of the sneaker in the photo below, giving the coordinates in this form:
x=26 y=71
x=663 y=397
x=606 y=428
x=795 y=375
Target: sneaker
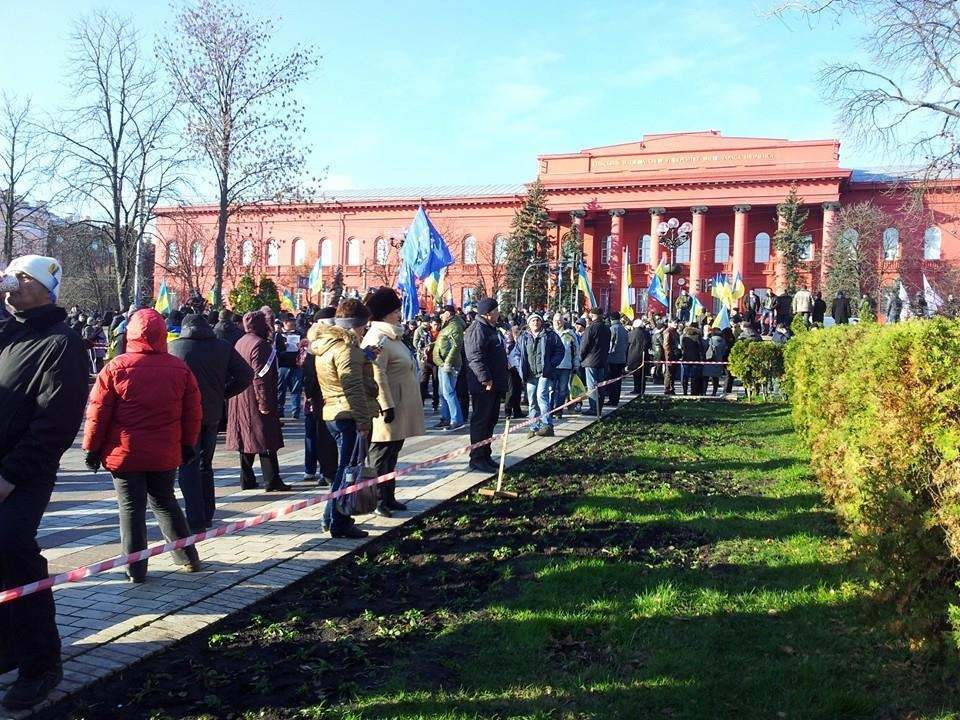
x=383 y=511
x=309 y=477
x=545 y=431
x=324 y=482
x=454 y=428
x=441 y=425
x=193 y=566
x=27 y=692
x=350 y=532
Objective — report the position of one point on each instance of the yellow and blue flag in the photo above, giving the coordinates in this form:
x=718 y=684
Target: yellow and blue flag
x=162 y=305
x=658 y=285
x=288 y=302
x=737 y=290
x=315 y=279
x=722 y=320
x=626 y=292
x=583 y=284
x=436 y=285
x=696 y=307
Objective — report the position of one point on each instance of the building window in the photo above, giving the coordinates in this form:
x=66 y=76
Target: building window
x=273 y=253
x=469 y=250
x=891 y=243
x=645 y=249
x=606 y=250
x=604 y=299
x=353 y=251
x=468 y=294
x=721 y=248
x=931 y=243
x=383 y=251
x=761 y=248
x=326 y=252
x=246 y=252
x=299 y=252
x=173 y=254
x=500 y=249
x=807 y=254
x=197 y=255
x=682 y=254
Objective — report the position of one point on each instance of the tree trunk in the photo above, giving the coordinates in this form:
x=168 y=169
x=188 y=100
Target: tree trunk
x=219 y=254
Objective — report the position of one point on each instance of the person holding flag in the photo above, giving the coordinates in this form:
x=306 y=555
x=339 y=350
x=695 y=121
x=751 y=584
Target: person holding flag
x=315 y=279
x=163 y=304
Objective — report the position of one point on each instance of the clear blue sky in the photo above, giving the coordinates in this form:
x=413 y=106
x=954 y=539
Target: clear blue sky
x=430 y=92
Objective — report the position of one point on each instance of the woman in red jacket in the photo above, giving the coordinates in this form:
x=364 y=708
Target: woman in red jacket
x=143 y=420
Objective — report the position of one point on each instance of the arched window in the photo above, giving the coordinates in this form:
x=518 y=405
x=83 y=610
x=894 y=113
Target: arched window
x=468 y=294
x=645 y=242
x=891 y=243
x=173 y=254
x=383 y=251
x=197 y=254
x=246 y=252
x=299 y=252
x=353 y=251
x=500 y=249
x=721 y=248
x=807 y=254
x=326 y=252
x=682 y=254
x=761 y=248
x=273 y=253
x=469 y=250
x=606 y=250
x=931 y=243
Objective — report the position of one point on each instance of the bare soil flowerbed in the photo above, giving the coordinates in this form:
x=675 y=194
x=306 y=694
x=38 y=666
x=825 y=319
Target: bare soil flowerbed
x=672 y=561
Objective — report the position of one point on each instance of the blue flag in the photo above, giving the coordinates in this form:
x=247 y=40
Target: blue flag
x=407 y=285
x=424 y=249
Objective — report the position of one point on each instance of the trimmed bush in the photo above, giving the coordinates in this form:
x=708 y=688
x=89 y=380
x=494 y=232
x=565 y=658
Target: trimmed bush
x=758 y=364
x=879 y=407
x=798 y=326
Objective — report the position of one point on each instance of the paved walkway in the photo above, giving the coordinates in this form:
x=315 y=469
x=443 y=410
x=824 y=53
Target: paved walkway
x=107 y=623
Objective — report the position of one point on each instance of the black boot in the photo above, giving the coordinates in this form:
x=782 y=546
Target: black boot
x=27 y=692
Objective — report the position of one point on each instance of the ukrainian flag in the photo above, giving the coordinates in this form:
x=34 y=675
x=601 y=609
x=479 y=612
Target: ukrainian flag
x=162 y=305
x=315 y=280
x=583 y=285
x=696 y=307
x=658 y=285
x=737 y=290
x=626 y=301
x=288 y=302
x=435 y=284
x=722 y=320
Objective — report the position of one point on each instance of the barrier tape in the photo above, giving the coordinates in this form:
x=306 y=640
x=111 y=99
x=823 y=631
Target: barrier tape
x=80 y=573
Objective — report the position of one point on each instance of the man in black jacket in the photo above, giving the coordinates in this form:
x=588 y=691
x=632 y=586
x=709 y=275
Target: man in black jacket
x=221 y=373
x=43 y=391
x=487 y=378
x=319 y=447
x=594 y=349
x=227 y=329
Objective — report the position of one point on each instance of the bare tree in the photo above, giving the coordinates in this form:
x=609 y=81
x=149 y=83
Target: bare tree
x=119 y=155
x=243 y=116
x=24 y=162
x=88 y=269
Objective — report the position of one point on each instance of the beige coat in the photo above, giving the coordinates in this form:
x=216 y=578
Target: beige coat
x=396 y=376
x=345 y=376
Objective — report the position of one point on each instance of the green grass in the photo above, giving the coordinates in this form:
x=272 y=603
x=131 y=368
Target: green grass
x=745 y=604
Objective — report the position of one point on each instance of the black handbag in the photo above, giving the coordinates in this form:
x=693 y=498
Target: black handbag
x=363 y=501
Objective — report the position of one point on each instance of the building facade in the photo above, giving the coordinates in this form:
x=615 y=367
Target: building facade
x=728 y=188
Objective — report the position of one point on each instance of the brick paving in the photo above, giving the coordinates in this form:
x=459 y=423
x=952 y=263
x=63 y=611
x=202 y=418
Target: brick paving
x=107 y=623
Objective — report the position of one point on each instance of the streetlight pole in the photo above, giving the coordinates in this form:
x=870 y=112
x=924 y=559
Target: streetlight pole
x=672 y=234
x=523 y=278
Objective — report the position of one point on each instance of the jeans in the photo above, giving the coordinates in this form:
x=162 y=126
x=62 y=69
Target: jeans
x=289 y=378
x=486 y=412
x=449 y=403
x=319 y=447
x=595 y=377
x=133 y=491
x=28 y=626
x=196 y=482
x=561 y=389
x=344 y=433
x=538 y=390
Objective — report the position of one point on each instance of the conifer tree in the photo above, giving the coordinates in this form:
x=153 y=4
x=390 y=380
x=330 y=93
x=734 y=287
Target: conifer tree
x=528 y=244
x=790 y=239
x=243 y=298
x=267 y=294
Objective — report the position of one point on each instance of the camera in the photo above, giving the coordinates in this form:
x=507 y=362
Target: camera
x=9 y=283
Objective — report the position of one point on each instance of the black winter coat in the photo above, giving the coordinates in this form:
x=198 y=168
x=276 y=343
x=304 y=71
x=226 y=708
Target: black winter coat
x=220 y=371
x=44 y=373
x=595 y=345
x=228 y=332
x=486 y=357
x=840 y=310
x=637 y=347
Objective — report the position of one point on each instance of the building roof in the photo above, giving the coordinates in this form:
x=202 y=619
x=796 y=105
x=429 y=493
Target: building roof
x=887 y=174
x=425 y=192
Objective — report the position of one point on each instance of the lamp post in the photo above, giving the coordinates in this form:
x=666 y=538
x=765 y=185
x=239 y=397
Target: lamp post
x=672 y=234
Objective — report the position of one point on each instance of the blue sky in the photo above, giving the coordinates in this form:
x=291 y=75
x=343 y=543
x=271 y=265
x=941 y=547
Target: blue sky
x=429 y=92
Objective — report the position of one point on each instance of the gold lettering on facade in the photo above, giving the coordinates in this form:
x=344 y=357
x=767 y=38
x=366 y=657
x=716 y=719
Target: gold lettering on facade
x=659 y=162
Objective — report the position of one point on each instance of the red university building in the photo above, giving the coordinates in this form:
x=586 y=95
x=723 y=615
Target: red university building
x=726 y=187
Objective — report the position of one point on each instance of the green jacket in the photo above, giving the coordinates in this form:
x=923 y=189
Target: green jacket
x=447 y=350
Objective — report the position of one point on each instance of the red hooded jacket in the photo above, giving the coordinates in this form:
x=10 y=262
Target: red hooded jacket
x=145 y=404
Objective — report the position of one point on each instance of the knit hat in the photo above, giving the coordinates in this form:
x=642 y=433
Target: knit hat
x=45 y=270
x=534 y=316
x=486 y=305
x=351 y=314
x=326 y=313
x=382 y=301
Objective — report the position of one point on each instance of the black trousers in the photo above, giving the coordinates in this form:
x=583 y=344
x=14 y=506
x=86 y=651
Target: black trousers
x=269 y=466
x=463 y=393
x=486 y=412
x=383 y=457
x=514 y=393
x=613 y=389
x=133 y=491
x=28 y=626
x=430 y=386
x=640 y=380
x=197 y=482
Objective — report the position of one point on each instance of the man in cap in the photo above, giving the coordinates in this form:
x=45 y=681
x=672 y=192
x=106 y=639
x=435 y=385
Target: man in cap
x=487 y=376
x=594 y=350
x=43 y=391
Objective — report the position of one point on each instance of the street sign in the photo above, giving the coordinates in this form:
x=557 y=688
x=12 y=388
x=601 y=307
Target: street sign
x=303 y=283
x=681 y=282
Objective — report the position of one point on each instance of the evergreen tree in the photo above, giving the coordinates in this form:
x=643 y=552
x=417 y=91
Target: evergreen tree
x=570 y=254
x=528 y=244
x=791 y=241
x=337 y=287
x=243 y=298
x=267 y=294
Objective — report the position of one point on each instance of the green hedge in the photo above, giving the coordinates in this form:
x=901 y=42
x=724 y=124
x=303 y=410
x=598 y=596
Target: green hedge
x=879 y=407
x=757 y=364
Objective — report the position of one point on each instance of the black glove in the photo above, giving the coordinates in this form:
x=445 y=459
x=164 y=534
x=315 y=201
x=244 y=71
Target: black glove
x=389 y=415
x=187 y=454
x=92 y=460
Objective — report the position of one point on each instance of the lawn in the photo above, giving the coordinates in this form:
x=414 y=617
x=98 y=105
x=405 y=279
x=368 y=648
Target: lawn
x=674 y=561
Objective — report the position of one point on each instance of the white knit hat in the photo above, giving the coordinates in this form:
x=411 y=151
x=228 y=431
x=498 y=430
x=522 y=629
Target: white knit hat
x=45 y=270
